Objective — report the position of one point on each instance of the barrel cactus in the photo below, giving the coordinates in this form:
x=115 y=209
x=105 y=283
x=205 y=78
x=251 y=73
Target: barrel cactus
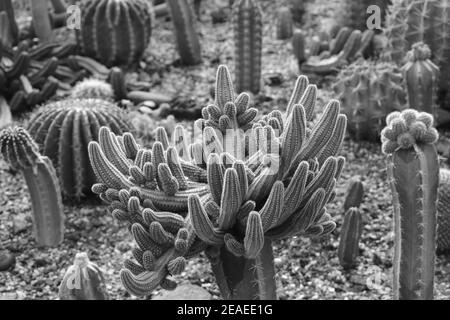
x=413 y=170
x=369 y=91
x=227 y=199
x=412 y=21
x=22 y=153
x=83 y=281
x=443 y=233
x=63 y=130
x=92 y=88
x=115 y=32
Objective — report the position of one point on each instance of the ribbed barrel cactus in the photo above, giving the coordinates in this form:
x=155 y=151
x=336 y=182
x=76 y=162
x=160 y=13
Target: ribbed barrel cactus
x=413 y=169
x=92 y=88
x=115 y=32
x=225 y=192
x=412 y=21
x=63 y=130
x=22 y=153
x=369 y=91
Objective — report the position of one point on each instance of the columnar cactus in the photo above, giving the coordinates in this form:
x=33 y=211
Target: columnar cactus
x=41 y=20
x=115 y=32
x=414 y=177
x=412 y=21
x=443 y=232
x=298 y=46
x=421 y=77
x=247 y=27
x=83 y=280
x=369 y=91
x=355 y=194
x=7 y=7
x=63 y=130
x=223 y=193
x=21 y=152
x=349 y=238
x=284 y=24
x=185 y=32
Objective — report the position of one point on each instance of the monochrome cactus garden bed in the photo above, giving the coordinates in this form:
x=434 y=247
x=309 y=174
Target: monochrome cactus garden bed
x=117 y=180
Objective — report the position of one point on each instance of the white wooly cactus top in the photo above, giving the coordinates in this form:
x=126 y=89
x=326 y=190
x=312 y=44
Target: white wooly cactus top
x=93 y=88
x=406 y=129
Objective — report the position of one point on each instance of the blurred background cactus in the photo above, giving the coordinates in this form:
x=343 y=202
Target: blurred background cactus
x=284 y=26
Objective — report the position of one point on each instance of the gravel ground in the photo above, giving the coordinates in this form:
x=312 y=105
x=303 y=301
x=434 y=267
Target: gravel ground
x=306 y=268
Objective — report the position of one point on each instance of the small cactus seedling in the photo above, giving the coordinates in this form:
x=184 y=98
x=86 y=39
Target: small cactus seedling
x=83 y=281
x=355 y=194
x=21 y=152
x=413 y=170
x=421 y=76
x=247 y=26
x=185 y=32
x=284 y=24
x=351 y=230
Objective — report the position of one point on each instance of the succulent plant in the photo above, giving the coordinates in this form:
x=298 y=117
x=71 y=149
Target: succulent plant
x=115 y=32
x=22 y=153
x=41 y=20
x=355 y=194
x=413 y=168
x=92 y=88
x=83 y=280
x=351 y=230
x=298 y=46
x=443 y=231
x=181 y=198
x=412 y=21
x=63 y=130
x=421 y=76
x=247 y=28
x=13 y=30
x=369 y=91
x=185 y=33
x=284 y=24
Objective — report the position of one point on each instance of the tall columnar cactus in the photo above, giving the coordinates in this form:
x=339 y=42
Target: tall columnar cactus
x=83 y=281
x=115 y=32
x=421 y=77
x=298 y=46
x=21 y=152
x=224 y=194
x=63 y=131
x=247 y=26
x=351 y=230
x=443 y=208
x=186 y=36
x=284 y=24
x=414 y=176
x=369 y=91
x=412 y=21
x=7 y=7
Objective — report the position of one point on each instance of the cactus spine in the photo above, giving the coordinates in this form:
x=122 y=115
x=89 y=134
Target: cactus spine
x=349 y=239
x=115 y=32
x=247 y=25
x=414 y=176
x=83 y=281
x=185 y=32
x=284 y=24
x=421 y=77
x=18 y=148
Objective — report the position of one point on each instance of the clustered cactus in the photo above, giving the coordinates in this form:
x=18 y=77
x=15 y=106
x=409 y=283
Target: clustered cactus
x=63 y=130
x=180 y=199
x=369 y=91
x=247 y=28
x=414 y=177
x=412 y=21
x=21 y=152
x=115 y=32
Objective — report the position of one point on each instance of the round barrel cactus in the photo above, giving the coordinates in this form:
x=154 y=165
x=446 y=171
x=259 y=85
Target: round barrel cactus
x=63 y=130
x=115 y=32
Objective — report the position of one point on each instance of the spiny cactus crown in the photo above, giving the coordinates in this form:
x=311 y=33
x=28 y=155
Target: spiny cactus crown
x=406 y=129
x=92 y=88
x=18 y=148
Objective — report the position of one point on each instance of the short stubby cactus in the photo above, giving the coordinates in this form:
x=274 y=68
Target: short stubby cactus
x=115 y=32
x=92 y=88
x=413 y=170
x=443 y=206
x=351 y=230
x=412 y=21
x=22 y=153
x=369 y=91
x=63 y=130
x=421 y=76
x=221 y=192
x=83 y=281
x=247 y=28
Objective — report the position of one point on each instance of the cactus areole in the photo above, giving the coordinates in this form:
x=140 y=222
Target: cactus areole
x=414 y=173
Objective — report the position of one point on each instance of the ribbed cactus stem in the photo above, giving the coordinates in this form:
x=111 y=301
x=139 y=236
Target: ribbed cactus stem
x=41 y=20
x=349 y=239
x=284 y=24
x=185 y=32
x=421 y=76
x=414 y=176
x=247 y=25
x=6 y=6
